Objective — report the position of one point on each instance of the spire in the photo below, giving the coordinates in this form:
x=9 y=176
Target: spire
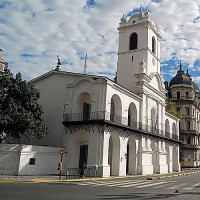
x=85 y=65
x=180 y=71
x=58 y=64
x=187 y=74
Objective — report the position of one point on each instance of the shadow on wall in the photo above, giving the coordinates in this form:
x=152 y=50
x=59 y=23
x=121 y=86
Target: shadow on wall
x=9 y=158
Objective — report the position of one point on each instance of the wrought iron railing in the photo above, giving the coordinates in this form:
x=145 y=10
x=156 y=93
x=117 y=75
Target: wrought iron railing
x=188 y=131
x=88 y=172
x=102 y=115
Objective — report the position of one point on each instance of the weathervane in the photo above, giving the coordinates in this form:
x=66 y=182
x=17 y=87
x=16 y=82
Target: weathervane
x=58 y=64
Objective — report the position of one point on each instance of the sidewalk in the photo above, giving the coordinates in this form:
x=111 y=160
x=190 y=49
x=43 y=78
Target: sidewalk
x=54 y=179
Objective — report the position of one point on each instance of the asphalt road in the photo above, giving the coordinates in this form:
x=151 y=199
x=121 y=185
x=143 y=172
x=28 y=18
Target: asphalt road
x=129 y=188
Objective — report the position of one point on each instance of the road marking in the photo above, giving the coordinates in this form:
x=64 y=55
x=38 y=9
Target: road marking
x=176 y=186
x=111 y=183
x=191 y=187
x=160 y=186
x=136 y=184
x=149 y=185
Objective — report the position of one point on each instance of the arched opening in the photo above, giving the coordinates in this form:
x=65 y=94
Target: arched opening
x=115 y=109
x=154 y=156
x=133 y=41
x=132 y=147
x=187 y=95
x=178 y=95
x=127 y=159
x=167 y=128
x=174 y=129
x=153 y=45
x=110 y=153
x=154 y=121
x=132 y=116
x=83 y=156
x=83 y=106
x=114 y=154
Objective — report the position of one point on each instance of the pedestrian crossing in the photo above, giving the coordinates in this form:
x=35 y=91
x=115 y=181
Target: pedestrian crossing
x=156 y=184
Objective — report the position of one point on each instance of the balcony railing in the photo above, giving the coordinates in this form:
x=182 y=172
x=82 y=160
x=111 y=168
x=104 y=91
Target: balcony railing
x=188 y=131
x=101 y=115
x=190 y=146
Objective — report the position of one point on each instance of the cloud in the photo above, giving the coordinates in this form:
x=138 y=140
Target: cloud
x=44 y=29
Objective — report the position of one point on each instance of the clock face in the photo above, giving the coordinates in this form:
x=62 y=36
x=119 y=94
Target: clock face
x=153 y=61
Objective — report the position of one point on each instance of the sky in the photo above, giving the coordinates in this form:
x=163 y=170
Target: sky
x=34 y=32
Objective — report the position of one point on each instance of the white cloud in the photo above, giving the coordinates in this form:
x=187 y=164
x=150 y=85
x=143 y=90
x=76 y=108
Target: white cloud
x=70 y=28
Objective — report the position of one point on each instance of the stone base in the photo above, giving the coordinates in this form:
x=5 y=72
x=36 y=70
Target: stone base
x=163 y=169
x=104 y=171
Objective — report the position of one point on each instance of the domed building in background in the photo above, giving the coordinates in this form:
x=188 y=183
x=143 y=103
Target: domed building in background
x=186 y=96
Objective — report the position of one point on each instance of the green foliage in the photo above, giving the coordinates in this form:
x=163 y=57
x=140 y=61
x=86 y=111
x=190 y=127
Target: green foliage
x=20 y=113
x=170 y=108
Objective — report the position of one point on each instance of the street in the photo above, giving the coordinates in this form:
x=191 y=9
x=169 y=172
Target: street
x=181 y=187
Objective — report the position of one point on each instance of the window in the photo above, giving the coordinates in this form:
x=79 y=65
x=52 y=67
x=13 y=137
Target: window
x=187 y=95
x=195 y=156
x=189 y=156
x=153 y=45
x=86 y=111
x=188 y=125
x=133 y=41
x=178 y=109
x=32 y=161
x=187 y=111
x=129 y=117
x=181 y=138
x=188 y=139
x=178 y=95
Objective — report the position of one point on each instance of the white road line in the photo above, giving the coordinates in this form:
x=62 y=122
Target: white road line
x=176 y=186
x=165 y=185
x=96 y=183
x=128 y=183
x=160 y=186
x=135 y=184
x=191 y=187
x=149 y=185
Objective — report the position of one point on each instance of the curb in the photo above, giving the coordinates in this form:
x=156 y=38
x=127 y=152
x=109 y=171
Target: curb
x=152 y=177
x=174 y=175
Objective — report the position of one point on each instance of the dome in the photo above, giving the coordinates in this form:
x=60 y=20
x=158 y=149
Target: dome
x=182 y=78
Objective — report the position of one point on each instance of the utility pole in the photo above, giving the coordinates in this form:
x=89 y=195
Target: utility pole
x=60 y=165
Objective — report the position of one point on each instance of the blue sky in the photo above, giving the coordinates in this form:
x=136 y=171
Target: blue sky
x=33 y=33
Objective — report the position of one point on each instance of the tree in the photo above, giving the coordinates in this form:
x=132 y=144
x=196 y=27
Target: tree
x=170 y=108
x=20 y=113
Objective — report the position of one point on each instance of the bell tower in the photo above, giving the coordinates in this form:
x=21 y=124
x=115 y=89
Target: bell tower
x=139 y=49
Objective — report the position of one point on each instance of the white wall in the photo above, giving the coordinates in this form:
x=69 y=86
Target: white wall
x=9 y=158
x=15 y=158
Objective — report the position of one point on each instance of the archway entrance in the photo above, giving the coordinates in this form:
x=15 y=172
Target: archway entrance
x=110 y=153
x=127 y=159
x=83 y=155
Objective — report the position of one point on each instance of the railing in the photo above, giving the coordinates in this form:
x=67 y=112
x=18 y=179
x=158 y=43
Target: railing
x=188 y=131
x=190 y=146
x=101 y=115
x=88 y=172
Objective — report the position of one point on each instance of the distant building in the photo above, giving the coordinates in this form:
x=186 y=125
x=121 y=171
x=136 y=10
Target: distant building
x=186 y=95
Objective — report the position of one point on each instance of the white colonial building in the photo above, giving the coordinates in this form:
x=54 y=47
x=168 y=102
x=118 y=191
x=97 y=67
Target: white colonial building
x=118 y=127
